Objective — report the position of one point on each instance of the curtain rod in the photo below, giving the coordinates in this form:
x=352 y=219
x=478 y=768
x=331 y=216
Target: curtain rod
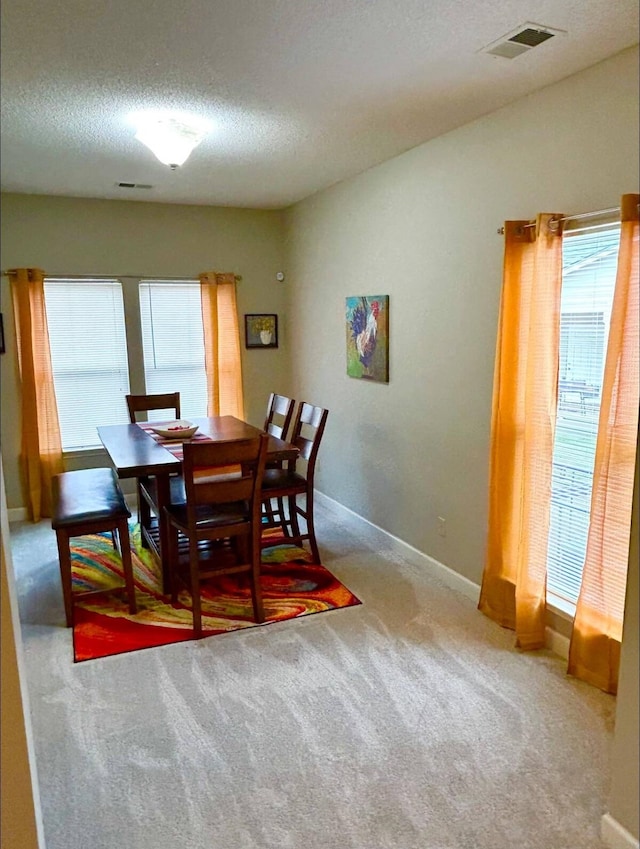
x=577 y=217
x=117 y=276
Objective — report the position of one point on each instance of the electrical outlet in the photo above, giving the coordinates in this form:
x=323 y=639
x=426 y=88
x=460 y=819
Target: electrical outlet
x=442 y=527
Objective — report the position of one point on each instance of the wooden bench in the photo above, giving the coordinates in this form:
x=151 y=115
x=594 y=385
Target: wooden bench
x=90 y=501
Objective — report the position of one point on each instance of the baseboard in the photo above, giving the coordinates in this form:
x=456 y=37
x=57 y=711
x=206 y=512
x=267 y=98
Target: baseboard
x=616 y=836
x=448 y=576
x=17 y=514
x=555 y=642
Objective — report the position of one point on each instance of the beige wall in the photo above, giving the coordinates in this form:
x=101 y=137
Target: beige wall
x=422 y=229
x=76 y=236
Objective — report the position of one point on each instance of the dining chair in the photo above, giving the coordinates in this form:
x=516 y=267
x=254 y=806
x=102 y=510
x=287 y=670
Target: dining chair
x=146 y=486
x=276 y=423
x=217 y=532
x=289 y=486
x=144 y=403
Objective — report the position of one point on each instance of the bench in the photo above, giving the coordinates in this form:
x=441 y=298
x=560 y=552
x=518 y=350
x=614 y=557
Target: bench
x=90 y=501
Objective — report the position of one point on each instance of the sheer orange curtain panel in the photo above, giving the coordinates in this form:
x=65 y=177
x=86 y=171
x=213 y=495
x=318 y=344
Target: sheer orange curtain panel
x=594 y=653
x=222 y=345
x=41 y=447
x=513 y=591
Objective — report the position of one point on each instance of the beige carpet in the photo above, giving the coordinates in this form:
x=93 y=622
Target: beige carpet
x=408 y=722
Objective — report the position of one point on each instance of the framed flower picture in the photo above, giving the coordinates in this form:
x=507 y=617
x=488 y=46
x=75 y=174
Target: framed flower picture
x=261 y=330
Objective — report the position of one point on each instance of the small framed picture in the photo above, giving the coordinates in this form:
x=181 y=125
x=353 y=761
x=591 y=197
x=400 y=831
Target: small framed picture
x=261 y=330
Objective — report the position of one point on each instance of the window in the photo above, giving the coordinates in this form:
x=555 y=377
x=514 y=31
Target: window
x=588 y=281
x=173 y=342
x=92 y=365
x=89 y=356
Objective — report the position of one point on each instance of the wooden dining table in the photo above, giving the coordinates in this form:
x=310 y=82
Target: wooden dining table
x=134 y=451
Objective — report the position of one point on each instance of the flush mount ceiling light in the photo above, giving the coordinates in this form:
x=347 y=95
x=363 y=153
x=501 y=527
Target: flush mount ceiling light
x=171 y=139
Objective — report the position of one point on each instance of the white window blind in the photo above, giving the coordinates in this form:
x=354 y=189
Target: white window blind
x=89 y=357
x=173 y=342
x=588 y=281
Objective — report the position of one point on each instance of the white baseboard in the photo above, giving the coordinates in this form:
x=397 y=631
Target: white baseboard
x=448 y=576
x=555 y=642
x=17 y=514
x=616 y=836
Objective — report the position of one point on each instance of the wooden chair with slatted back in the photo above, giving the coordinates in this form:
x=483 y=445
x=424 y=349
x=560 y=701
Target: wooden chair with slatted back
x=145 y=488
x=219 y=507
x=288 y=484
x=276 y=423
x=144 y=403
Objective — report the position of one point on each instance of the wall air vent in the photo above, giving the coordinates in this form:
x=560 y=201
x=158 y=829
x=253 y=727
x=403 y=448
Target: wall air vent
x=521 y=40
x=124 y=185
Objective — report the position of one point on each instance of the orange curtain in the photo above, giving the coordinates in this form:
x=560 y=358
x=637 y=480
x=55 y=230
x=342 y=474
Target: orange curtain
x=41 y=447
x=594 y=653
x=222 y=345
x=513 y=589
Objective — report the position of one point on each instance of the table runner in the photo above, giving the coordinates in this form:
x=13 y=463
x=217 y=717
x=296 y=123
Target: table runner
x=172 y=445
x=175 y=446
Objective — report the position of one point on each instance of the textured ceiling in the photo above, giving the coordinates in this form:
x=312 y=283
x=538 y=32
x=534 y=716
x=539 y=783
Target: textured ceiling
x=301 y=93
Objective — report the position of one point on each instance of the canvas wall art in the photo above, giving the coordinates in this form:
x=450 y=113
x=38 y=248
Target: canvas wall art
x=368 y=337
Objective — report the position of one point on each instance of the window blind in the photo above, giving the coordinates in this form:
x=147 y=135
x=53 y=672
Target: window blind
x=173 y=342
x=89 y=357
x=588 y=281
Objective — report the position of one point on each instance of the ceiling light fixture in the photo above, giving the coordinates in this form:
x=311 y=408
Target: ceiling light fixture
x=171 y=139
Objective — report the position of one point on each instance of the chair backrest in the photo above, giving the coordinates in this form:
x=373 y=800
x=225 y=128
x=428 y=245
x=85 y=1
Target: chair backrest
x=308 y=428
x=144 y=403
x=240 y=478
x=279 y=415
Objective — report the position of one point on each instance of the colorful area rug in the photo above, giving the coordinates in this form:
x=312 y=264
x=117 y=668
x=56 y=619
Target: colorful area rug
x=292 y=586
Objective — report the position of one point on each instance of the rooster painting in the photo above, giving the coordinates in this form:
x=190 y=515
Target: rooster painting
x=367 y=341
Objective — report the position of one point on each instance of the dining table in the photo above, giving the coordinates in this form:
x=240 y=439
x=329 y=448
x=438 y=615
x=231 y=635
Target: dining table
x=136 y=451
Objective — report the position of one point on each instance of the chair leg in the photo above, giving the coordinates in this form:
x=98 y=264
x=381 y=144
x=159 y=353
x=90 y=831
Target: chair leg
x=173 y=556
x=293 y=517
x=194 y=584
x=268 y=512
x=256 y=592
x=311 y=529
x=64 y=558
x=144 y=515
x=127 y=565
x=280 y=515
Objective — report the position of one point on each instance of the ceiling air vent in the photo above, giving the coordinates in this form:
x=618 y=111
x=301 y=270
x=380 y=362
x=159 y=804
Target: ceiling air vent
x=124 y=185
x=521 y=40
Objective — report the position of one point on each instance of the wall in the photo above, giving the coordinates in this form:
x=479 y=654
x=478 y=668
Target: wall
x=78 y=236
x=422 y=229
